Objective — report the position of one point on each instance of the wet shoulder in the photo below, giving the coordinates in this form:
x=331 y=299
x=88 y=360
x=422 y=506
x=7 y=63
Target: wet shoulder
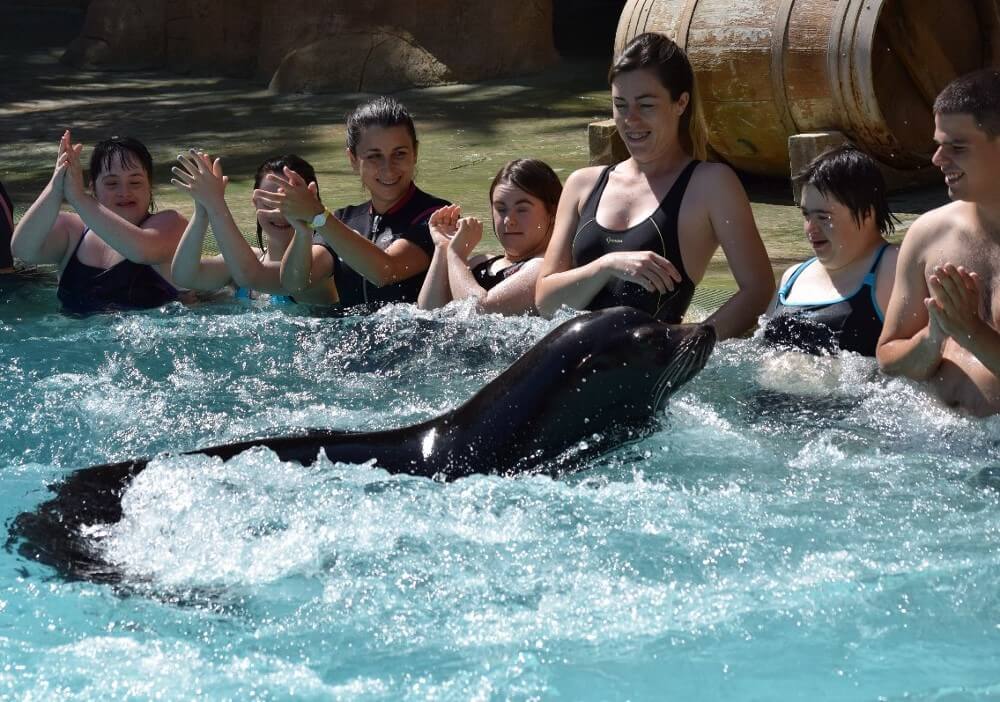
x=581 y=182
x=712 y=179
x=166 y=220
x=584 y=178
x=951 y=219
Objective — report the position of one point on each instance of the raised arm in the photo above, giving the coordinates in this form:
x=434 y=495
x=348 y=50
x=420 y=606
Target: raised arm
x=152 y=243
x=401 y=260
x=307 y=269
x=204 y=180
x=43 y=235
x=516 y=295
x=436 y=290
x=912 y=343
x=733 y=224
x=189 y=269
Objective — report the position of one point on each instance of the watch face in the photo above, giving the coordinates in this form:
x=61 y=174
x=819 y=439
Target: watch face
x=384 y=239
x=320 y=219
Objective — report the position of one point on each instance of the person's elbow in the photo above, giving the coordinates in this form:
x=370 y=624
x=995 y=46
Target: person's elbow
x=294 y=283
x=888 y=357
x=20 y=249
x=182 y=277
x=544 y=303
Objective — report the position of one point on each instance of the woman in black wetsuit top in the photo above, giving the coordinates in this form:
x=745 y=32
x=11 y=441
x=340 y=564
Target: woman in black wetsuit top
x=642 y=233
x=524 y=196
x=836 y=300
x=381 y=248
x=111 y=251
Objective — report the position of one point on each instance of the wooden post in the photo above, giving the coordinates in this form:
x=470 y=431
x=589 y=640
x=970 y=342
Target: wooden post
x=803 y=148
x=606 y=146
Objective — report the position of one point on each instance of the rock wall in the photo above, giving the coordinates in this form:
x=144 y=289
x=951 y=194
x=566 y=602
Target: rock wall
x=321 y=45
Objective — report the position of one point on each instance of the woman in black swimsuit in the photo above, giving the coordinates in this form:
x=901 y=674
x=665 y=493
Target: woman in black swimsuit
x=642 y=233
x=112 y=252
x=524 y=196
x=836 y=300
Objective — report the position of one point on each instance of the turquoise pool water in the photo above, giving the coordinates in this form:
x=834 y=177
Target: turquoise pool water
x=762 y=546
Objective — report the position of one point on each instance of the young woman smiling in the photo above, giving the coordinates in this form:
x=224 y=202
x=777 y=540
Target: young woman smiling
x=381 y=248
x=524 y=196
x=836 y=301
x=112 y=251
x=642 y=233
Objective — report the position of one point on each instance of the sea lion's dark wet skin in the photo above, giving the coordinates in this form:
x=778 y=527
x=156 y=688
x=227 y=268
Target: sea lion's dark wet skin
x=600 y=378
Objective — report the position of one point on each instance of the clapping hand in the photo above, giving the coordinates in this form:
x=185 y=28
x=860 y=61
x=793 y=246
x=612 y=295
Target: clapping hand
x=467 y=235
x=68 y=163
x=294 y=199
x=954 y=302
x=444 y=223
x=201 y=178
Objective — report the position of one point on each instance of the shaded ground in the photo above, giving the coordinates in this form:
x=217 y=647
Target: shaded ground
x=467 y=131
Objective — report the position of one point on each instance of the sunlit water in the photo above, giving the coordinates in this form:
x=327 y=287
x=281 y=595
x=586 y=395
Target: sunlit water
x=798 y=529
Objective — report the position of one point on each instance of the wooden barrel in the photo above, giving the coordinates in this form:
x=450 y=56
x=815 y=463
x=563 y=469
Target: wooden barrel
x=769 y=69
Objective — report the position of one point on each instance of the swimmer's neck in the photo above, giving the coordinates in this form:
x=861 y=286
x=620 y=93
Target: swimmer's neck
x=672 y=160
x=863 y=259
x=381 y=206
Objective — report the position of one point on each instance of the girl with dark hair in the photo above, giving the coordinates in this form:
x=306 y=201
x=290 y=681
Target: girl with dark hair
x=642 y=232
x=251 y=270
x=381 y=248
x=524 y=196
x=113 y=252
x=836 y=300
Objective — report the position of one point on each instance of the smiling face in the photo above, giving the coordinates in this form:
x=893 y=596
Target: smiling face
x=968 y=158
x=836 y=238
x=123 y=187
x=646 y=115
x=522 y=222
x=386 y=158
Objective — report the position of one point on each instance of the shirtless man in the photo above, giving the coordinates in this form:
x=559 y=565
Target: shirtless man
x=944 y=314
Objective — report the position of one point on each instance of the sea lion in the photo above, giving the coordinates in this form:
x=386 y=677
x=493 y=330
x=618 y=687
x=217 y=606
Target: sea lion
x=599 y=379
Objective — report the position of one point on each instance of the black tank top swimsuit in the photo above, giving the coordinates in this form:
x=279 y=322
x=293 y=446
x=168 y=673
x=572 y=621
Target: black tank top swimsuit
x=852 y=323
x=489 y=280
x=86 y=289
x=657 y=233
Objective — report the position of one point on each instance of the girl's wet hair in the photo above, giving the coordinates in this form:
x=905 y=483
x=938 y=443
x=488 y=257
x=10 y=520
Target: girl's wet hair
x=533 y=177
x=852 y=178
x=662 y=56
x=126 y=151
x=383 y=111
x=277 y=165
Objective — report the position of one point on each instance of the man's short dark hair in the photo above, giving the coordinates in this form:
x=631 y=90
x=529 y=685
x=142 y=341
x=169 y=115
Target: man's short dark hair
x=851 y=177
x=976 y=94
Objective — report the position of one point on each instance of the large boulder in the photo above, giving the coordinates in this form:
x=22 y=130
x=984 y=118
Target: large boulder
x=379 y=60
x=315 y=45
x=220 y=36
x=121 y=34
